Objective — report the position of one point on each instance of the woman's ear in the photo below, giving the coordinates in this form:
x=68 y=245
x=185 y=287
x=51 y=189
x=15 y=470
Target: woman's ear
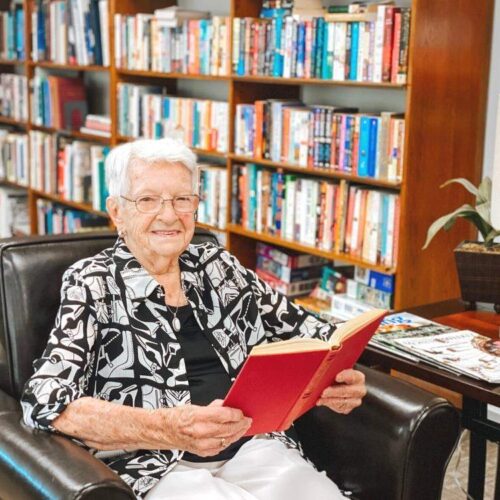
x=115 y=211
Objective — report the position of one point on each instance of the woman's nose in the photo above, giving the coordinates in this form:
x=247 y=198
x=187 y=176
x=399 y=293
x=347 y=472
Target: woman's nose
x=167 y=211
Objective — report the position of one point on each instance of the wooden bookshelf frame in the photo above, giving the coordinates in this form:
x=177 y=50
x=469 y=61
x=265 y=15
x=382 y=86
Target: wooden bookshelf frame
x=445 y=120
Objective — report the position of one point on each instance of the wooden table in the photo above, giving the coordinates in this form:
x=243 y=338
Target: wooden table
x=476 y=394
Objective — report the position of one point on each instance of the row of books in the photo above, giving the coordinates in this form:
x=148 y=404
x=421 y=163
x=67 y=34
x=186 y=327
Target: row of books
x=53 y=218
x=328 y=137
x=58 y=102
x=213 y=195
x=144 y=111
x=12 y=32
x=71 y=168
x=14 y=218
x=149 y=42
x=360 y=222
x=71 y=32
x=365 y=47
x=14 y=156
x=14 y=96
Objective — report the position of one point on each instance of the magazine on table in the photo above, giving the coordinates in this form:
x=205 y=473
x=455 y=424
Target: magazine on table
x=459 y=351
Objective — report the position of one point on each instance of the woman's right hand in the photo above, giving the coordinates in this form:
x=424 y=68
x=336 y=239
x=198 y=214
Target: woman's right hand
x=205 y=430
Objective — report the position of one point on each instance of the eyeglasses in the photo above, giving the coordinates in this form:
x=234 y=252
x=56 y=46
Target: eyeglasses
x=151 y=204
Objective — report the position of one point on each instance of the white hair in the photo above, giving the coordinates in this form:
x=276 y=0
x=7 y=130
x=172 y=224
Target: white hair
x=149 y=151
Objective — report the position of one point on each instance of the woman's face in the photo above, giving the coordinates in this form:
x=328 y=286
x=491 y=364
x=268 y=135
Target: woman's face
x=166 y=233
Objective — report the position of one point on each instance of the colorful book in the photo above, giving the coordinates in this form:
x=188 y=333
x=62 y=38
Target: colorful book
x=280 y=381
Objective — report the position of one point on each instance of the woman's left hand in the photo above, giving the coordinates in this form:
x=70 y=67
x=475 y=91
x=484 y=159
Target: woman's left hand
x=346 y=393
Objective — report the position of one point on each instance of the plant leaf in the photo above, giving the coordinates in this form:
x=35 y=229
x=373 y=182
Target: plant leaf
x=447 y=221
x=484 y=191
x=489 y=240
x=465 y=183
x=484 y=210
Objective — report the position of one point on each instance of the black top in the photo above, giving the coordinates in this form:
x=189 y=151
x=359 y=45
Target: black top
x=207 y=378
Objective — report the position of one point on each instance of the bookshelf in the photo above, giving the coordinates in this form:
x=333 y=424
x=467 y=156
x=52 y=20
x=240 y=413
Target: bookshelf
x=444 y=103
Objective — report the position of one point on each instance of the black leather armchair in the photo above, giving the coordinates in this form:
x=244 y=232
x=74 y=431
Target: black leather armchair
x=396 y=446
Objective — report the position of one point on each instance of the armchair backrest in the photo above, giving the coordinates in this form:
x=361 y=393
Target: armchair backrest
x=30 y=280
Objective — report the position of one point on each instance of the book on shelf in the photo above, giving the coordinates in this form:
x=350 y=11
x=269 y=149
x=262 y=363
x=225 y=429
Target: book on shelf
x=324 y=214
x=459 y=351
x=285 y=273
x=345 y=307
x=143 y=111
x=326 y=137
x=291 y=290
x=280 y=381
x=188 y=42
x=97 y=125
x=289 y=258
x=72 y=32
x=178 y=14
x=59 y=102
x=14 y=96
x=53 y=218
x=12 y=32
x=361 y=46
x=14 y=148
x=14 y=218
x=71 y=168
x=213 y=195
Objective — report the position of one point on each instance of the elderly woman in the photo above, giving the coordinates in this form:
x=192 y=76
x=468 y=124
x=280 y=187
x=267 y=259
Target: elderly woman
x=148 y=338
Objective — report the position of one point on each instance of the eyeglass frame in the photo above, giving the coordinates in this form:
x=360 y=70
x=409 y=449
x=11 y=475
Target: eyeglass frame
x=163 y=201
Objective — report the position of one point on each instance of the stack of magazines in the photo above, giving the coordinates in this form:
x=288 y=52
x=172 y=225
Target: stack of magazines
x=459 y=351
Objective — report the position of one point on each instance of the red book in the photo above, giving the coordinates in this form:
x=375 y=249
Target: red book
x=388 y=40
x=396 y=43
x=68 y=102
x=280 y=381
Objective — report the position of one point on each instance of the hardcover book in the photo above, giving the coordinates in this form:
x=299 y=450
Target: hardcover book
x=280 y=381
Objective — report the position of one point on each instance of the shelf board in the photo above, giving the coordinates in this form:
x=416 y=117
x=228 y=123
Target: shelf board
x=7 y=183
x=210 y=228
x=276 y=240
x=160 y=74
x=72 y=133
x=85 y=207
x=325 y=173
x=13 y=121
x=73 y=67
x=314 y=81
x=11 y=62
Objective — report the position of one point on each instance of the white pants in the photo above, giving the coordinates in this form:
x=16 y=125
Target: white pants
x=263 y=469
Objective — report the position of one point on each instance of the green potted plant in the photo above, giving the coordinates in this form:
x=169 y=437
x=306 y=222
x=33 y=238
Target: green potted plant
x=478 y=262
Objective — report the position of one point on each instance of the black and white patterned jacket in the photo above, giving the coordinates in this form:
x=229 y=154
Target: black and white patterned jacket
x=111 y=340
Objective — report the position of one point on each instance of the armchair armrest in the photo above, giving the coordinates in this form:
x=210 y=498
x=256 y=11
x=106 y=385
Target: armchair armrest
x=395 y=446
x=37 y=464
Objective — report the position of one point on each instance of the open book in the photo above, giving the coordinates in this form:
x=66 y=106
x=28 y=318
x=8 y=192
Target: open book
x=280 y=381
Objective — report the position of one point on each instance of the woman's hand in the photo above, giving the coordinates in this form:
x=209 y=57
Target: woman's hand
x=346 y=393
x=205 y=430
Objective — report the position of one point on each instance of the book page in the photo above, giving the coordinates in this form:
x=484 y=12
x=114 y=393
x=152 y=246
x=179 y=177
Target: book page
x=352 y=326
x=298 y=344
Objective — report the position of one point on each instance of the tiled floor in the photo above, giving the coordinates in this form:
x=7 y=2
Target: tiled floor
x=458 y=468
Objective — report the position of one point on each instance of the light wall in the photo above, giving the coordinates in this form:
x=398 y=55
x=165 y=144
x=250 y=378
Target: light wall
x=491 y=164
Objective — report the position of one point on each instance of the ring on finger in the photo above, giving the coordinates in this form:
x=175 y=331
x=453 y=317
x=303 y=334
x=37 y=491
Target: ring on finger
x=222 y=442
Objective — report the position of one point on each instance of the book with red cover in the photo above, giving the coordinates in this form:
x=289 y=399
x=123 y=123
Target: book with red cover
x=69 y=104
x=280 y=381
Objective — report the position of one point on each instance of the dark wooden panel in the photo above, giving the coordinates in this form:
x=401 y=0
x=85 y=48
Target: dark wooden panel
x=450 y=52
